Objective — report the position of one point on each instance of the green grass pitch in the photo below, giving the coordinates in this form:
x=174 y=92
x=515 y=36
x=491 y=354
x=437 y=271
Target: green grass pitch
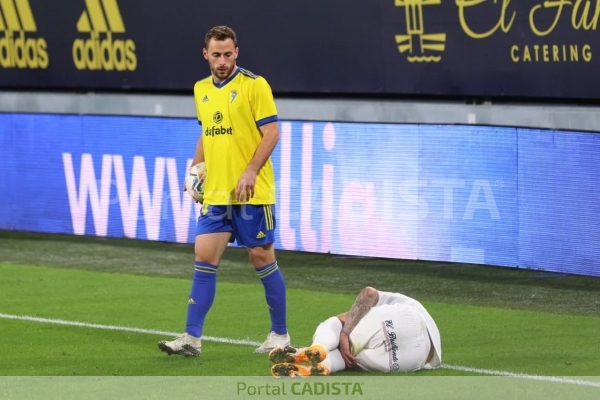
x=491 y=319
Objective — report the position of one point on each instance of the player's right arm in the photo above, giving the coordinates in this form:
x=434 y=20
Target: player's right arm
x=199 y=152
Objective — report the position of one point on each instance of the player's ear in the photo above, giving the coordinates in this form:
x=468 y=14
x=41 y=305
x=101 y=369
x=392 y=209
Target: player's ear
x=205 y=54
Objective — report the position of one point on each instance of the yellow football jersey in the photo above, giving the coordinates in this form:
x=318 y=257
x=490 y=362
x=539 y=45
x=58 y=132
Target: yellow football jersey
x=230 y=114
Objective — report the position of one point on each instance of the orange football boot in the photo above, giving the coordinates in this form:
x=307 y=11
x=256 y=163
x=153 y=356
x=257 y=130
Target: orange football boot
x=313 y=354
x=294 y=370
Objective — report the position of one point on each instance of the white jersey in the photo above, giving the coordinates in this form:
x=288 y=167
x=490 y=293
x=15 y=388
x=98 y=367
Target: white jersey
x=396 y=335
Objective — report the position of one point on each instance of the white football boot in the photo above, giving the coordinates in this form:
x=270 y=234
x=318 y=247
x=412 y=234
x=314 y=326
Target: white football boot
x=184 y=344
x=273 y=340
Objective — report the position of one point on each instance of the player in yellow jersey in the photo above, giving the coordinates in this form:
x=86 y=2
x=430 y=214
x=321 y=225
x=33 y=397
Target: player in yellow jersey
x=239 y=130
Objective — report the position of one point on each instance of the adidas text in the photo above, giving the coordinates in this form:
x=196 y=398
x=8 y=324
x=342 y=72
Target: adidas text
x=16 y=49
x=106 y=54
x=21 y=52
x=102 y=19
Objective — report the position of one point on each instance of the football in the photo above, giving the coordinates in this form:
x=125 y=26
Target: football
x=195 y=180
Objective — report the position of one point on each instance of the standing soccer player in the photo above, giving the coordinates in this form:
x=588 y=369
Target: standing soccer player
x=239 y=130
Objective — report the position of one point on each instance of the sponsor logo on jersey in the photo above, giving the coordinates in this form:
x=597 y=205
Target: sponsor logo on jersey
x=218 y=130
x=218 y=117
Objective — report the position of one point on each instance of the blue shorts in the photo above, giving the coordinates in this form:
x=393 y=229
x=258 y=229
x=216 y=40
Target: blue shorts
x=250 y=225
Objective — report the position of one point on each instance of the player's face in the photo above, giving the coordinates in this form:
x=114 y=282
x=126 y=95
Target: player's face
x=221 y=55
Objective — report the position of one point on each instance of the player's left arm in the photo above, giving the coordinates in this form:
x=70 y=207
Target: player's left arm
x=270 y=138
x=265 y=115
x=366 y=299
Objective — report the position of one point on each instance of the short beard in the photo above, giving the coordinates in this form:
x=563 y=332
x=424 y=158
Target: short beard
x=227 y=75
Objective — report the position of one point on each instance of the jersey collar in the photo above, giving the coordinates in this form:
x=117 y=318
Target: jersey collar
x=226 y=81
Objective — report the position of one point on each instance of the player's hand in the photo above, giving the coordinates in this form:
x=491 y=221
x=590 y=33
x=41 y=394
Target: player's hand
x=245 y=186
x=345 y=345
x=185 y=190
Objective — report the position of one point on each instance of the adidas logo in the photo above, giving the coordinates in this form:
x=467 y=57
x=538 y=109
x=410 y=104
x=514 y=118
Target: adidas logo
x=191 y=301
x=17 y=49
x=102 y=19
x=205 y=99
x=261 y=235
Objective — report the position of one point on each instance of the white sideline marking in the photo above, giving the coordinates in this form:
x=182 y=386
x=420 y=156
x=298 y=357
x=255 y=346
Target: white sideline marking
x=247 y=342
x=124 y=329
x=523 y=376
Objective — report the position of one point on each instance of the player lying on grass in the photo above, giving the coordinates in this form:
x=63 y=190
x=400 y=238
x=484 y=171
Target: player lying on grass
x=382 y=332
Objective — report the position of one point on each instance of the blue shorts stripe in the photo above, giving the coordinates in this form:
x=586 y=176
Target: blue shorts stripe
x=268 y=217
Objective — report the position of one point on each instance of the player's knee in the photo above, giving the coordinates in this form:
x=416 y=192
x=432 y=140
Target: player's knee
x=201 y=255
x=261 y=255
x=260 y=260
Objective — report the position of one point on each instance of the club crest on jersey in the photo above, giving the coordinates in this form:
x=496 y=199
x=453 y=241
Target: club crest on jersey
x=232 y=95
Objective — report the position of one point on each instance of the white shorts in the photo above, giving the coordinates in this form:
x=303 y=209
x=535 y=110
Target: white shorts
x=391 y=338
